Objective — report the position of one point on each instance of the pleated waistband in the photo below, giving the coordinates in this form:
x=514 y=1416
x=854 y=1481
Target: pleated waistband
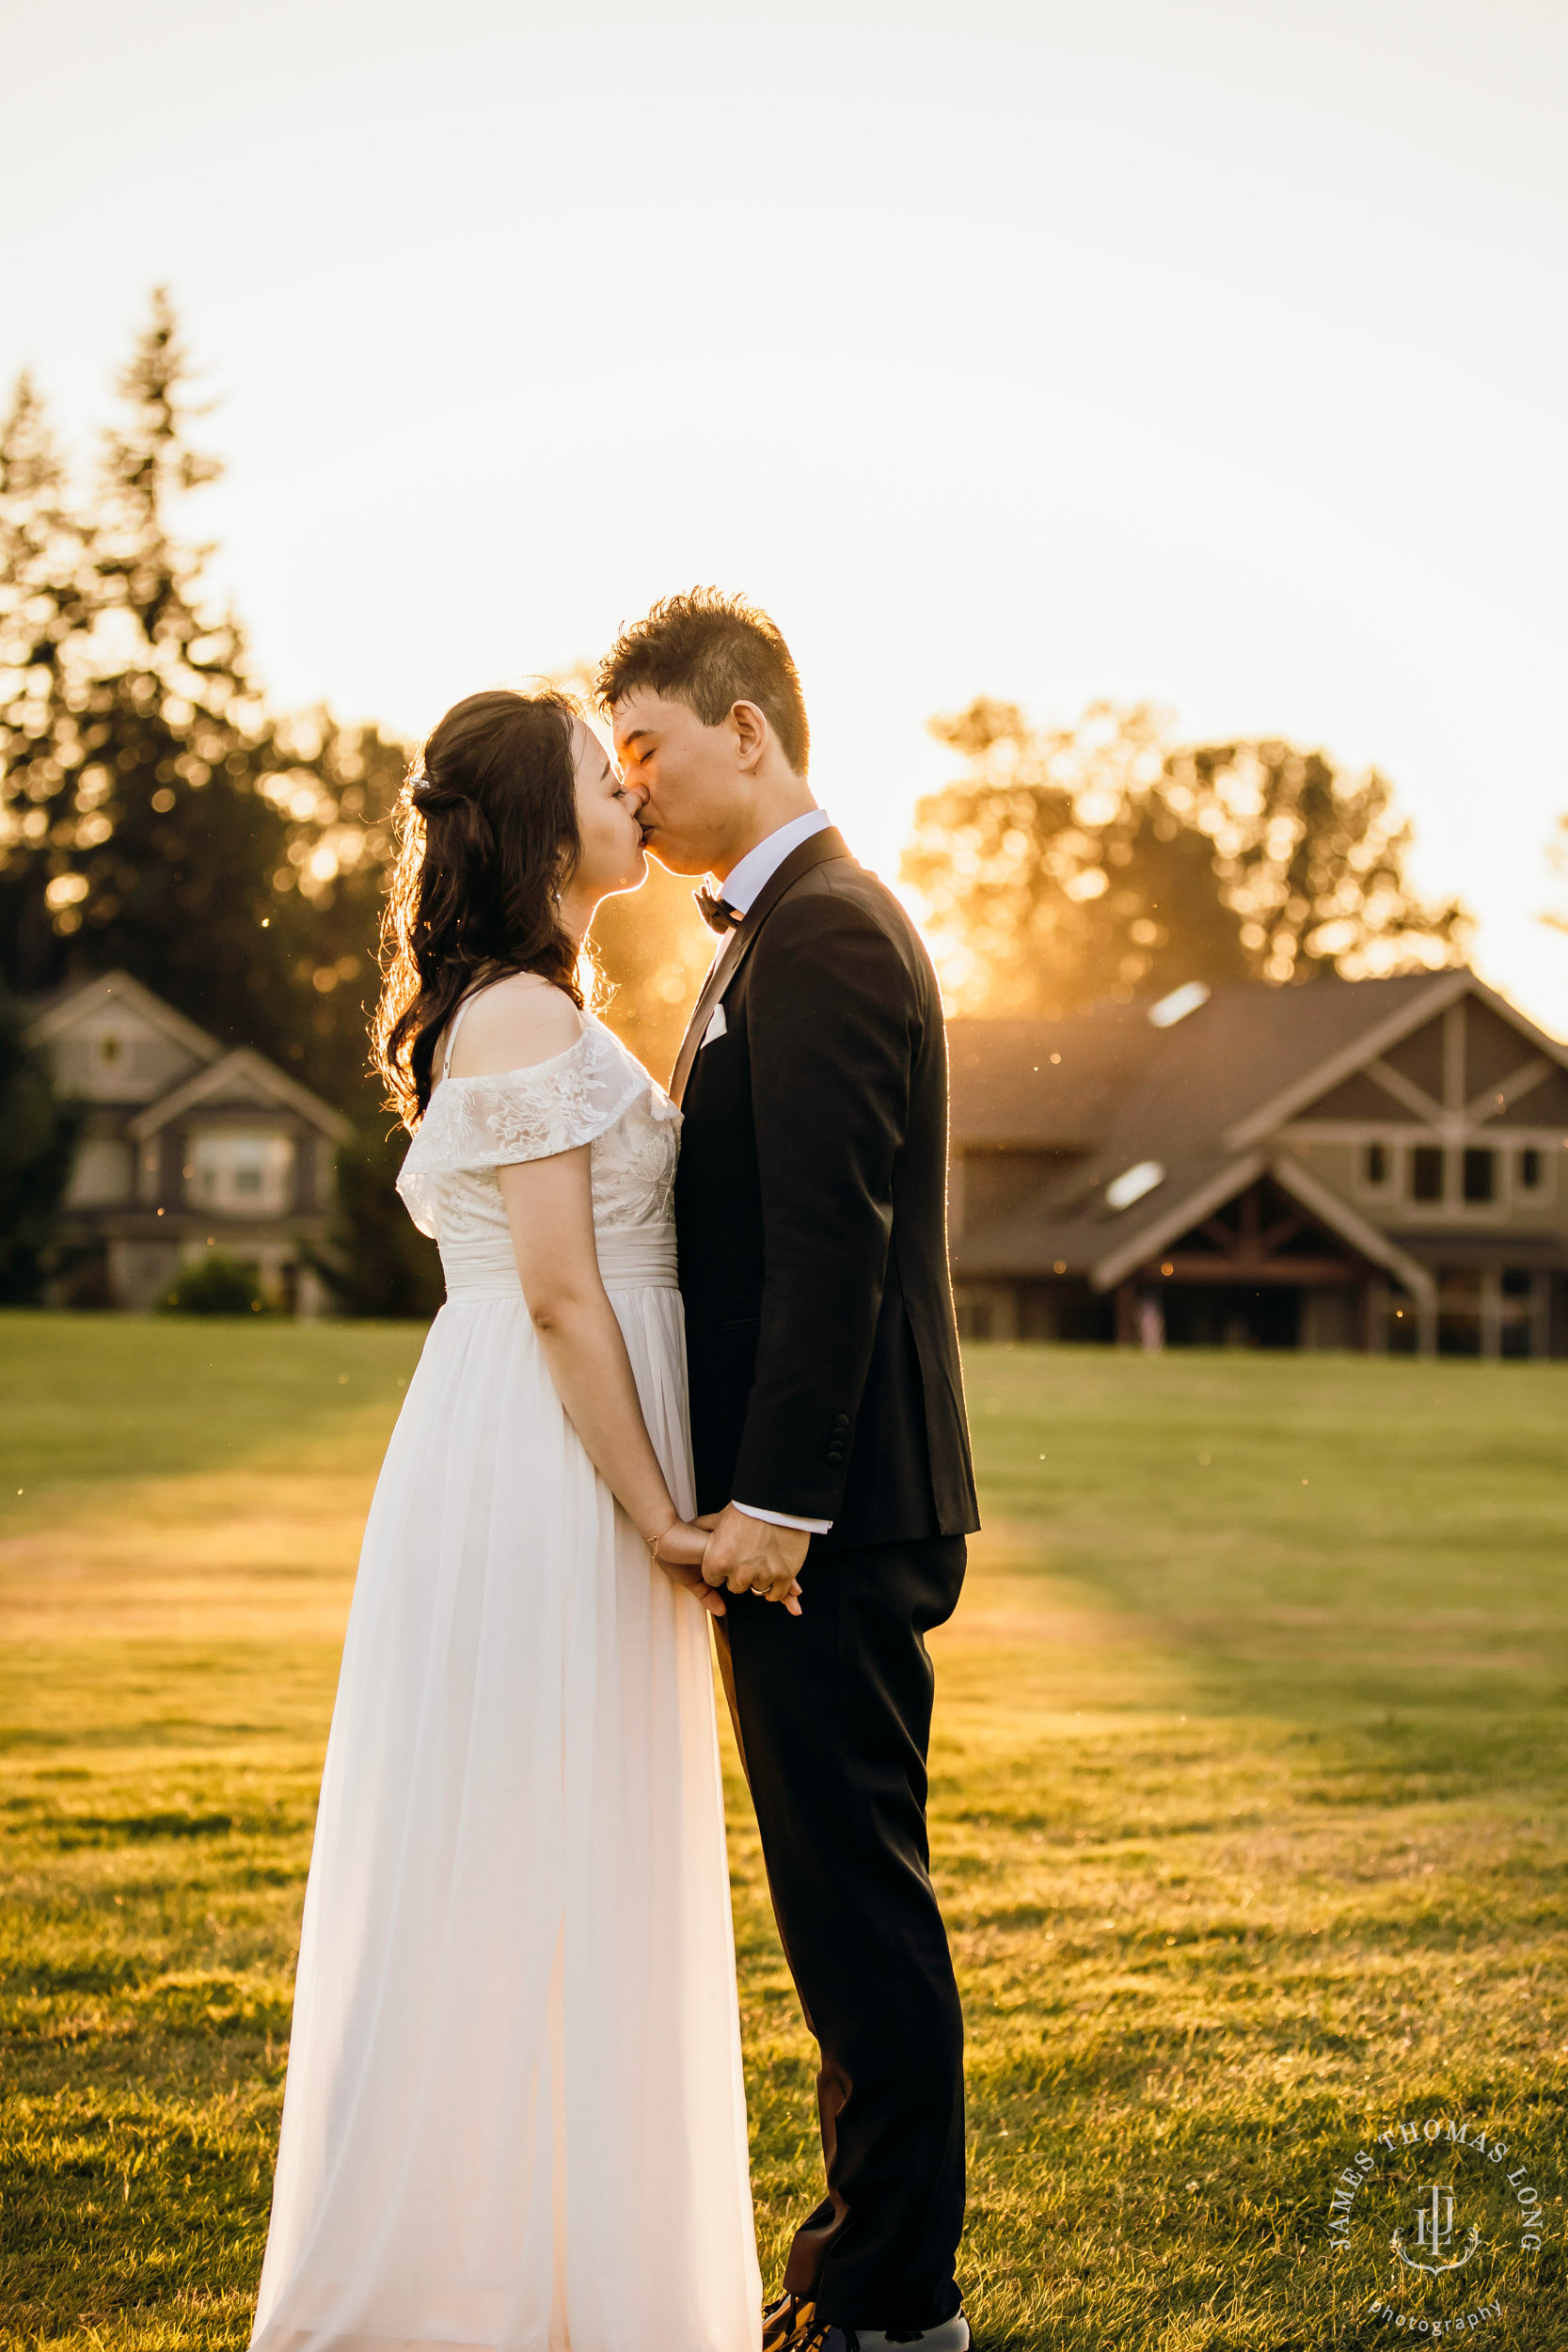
x=635 y=1259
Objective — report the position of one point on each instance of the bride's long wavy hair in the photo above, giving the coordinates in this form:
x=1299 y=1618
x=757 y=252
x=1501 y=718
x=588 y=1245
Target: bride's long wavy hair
x=487 y=839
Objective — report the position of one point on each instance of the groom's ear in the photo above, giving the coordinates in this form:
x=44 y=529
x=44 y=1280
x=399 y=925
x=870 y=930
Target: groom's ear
x=750 y=733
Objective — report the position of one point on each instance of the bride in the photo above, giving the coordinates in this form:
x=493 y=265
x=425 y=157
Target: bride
x=514 y=2115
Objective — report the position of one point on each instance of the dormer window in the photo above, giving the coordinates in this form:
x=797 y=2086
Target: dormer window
x=1480 y=1176
x=1530 y=1170
x=1426 y=1172
x=1374 y=1165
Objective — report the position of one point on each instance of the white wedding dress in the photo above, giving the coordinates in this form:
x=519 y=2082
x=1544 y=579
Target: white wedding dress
x=514 y=2114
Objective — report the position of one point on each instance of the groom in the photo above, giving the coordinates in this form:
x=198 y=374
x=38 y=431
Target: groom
x=828 y=1427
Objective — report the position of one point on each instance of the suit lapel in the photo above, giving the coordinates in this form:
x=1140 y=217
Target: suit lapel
x=702 y=1012
x=818 y=850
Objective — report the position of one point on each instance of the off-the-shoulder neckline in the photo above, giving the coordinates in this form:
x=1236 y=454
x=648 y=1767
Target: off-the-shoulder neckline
x=591 y=1024
x=529 y=1069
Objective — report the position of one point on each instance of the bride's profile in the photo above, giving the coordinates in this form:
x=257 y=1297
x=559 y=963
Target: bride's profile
x=514 y=2114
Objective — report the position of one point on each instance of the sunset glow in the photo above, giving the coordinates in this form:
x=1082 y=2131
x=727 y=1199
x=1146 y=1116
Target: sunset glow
x=1206 y=354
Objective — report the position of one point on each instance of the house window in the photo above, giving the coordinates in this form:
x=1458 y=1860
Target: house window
x=243 y=1170
x=1530 y=1170
x=1426 y=1172
x=1481 y=1182
x=1374 y=1164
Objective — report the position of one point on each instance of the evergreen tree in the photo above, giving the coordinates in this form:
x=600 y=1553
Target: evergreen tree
x=38 y=1140
x=152 y=815
x=48 y=596
x=161 y=845
x=377 y=1262
x=1097 y=861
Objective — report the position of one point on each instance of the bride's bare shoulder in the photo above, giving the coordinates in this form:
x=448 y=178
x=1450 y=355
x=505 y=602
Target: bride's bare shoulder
x=513 y=1023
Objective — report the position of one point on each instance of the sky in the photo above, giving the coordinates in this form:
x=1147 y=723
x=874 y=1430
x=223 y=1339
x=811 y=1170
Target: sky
x=1212 y=353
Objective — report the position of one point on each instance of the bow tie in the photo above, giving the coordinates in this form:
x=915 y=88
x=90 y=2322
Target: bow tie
x=718 y=913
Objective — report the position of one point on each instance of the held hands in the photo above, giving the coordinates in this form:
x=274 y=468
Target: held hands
x=729 y=1548
x=750 y=1555
x=681 y=1546
x=679 y=1552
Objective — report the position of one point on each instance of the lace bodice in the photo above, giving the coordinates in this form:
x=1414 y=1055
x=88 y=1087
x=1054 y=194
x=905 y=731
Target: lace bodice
x=595 y=1092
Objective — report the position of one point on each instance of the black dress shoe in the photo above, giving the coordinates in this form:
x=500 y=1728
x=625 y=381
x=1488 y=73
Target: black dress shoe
x=785 y=2322
x=792 y=2325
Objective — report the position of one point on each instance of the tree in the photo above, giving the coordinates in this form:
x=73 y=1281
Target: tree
x=38 y=1141
x=377 y=1262
x=142 y=742
x=153 y=814
x=1100 y=861
x=48 y=596
x=337 y=787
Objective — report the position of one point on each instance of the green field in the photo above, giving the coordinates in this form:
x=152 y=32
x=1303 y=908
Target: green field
x=1247 y=1816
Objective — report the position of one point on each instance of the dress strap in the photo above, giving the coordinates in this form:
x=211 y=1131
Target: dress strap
x=452 y=1027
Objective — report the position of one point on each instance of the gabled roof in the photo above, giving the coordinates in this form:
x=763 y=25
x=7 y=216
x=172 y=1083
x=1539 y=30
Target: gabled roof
x=241 y=1077
x=1201 y=1099
x=1052 y=1085
x=63 y=1011
x=1293 y=1092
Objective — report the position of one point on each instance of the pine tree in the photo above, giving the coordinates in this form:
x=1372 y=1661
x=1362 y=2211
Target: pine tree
x=49 y=592
x=38 y=1141
x=153 y=815
x=162 y=862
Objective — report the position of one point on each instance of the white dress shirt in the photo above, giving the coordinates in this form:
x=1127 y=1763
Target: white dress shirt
x=749 y=875
x=743 y=884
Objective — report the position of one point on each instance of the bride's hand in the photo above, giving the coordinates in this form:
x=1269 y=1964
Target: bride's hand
x=679 y=1552
x=681 y=1546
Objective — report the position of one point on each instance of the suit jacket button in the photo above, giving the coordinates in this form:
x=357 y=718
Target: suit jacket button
x=835 y=1455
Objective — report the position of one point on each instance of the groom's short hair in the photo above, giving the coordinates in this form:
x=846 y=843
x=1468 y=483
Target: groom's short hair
x=711 y=651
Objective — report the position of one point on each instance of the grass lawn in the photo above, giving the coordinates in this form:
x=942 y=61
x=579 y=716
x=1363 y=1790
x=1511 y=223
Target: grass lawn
x=1247 y=1816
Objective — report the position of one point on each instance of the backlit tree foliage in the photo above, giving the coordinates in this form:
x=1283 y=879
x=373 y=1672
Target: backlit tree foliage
x=154 y=816
x=1075 y=863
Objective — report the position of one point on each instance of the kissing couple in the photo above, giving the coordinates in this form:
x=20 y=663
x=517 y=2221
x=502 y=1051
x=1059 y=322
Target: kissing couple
x=697 y=1367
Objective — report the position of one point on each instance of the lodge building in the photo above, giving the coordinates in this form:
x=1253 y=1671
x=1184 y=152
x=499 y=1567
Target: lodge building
x=1370 y=1163
x=186 y=1146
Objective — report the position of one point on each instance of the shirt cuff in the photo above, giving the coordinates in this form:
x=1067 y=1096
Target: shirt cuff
x=784 y=1518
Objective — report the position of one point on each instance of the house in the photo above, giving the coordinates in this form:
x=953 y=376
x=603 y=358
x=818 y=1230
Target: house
x=1346 y=1163
x=186 y=1145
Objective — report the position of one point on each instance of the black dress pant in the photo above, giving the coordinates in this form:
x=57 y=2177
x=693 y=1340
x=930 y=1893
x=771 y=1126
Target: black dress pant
x=832 y=1711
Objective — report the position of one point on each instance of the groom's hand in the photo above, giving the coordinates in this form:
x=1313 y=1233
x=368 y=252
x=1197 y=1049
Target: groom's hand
x=749 y=1555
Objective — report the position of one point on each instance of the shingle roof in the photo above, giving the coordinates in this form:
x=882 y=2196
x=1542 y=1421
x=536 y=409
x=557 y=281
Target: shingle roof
x=1125 y=1091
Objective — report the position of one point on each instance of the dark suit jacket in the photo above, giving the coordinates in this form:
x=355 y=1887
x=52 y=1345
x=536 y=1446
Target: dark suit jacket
x=811 y=1209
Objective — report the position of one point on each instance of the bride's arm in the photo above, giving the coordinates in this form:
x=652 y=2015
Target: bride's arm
x=514 y=1026
x=549 y=1207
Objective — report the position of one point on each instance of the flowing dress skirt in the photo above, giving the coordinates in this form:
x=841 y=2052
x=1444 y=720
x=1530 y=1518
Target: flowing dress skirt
x=514 y=2115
